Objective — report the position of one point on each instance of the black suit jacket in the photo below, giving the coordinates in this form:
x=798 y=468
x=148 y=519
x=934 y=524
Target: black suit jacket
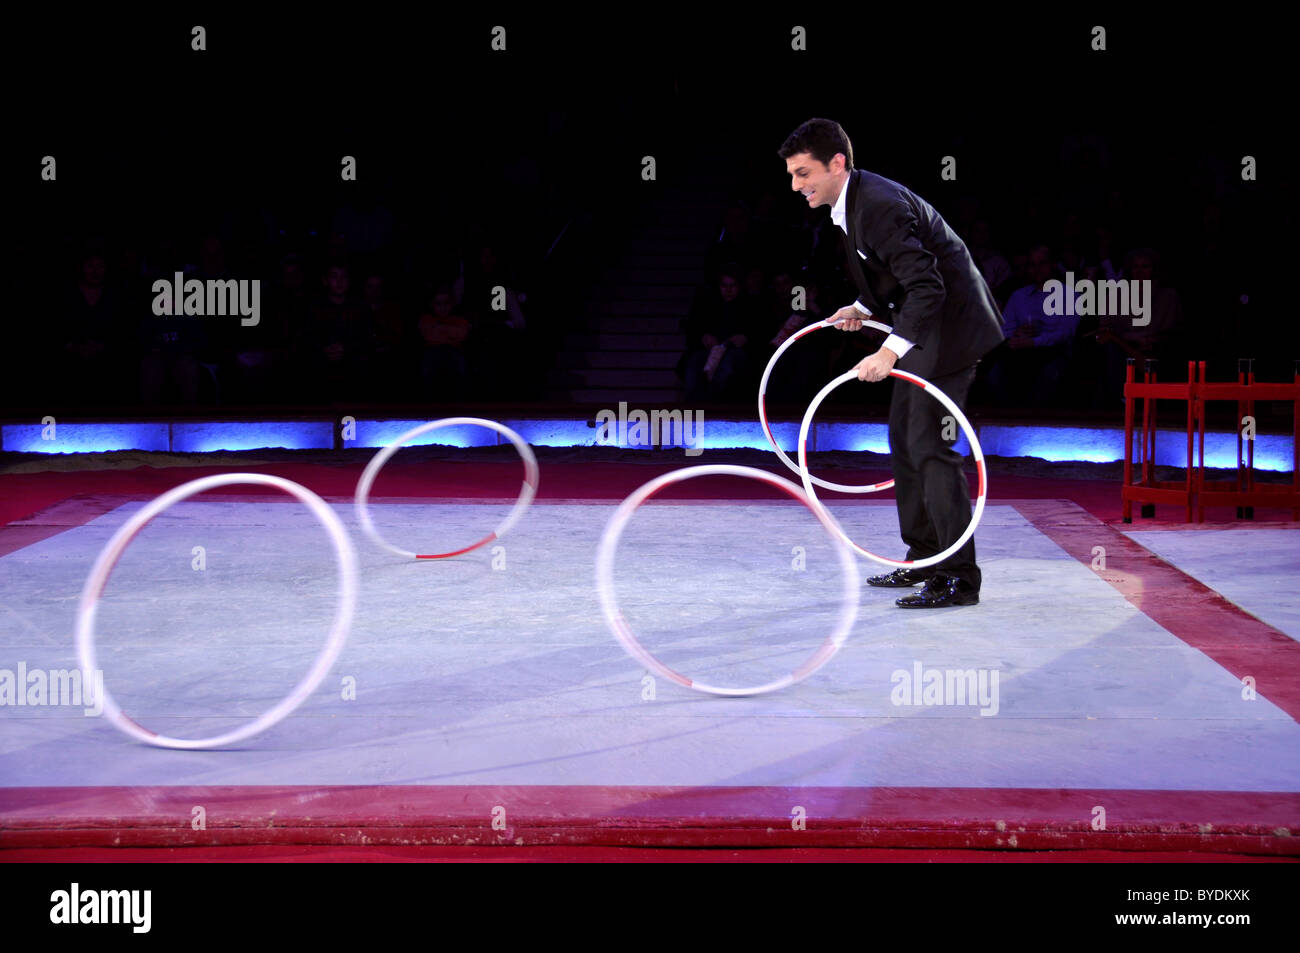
x=918 y=276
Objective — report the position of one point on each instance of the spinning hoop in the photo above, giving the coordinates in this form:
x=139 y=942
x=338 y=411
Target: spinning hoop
x=966 y=429
x=112 y=552
x=526 y=492
x=762 y=408
x=618 y=624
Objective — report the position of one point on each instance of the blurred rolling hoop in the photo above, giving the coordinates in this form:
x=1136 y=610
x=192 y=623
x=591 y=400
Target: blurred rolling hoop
x=623 y=632
x=969 y=431
x=112 y=552
x=762 y=409
x=527 y=490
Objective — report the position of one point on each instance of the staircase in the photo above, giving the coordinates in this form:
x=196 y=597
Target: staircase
x=630 y=337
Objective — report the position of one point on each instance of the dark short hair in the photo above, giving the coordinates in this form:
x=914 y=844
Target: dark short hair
x=820 y=138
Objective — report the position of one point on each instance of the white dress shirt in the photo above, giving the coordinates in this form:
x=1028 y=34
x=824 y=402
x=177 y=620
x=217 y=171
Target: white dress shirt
x=899 y=346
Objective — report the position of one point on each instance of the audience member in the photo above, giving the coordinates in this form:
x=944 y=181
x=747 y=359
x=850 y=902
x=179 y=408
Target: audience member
x=718 y=335
x=336 y=344
x=93 y=335
x=1026 y=368
x=443 y=368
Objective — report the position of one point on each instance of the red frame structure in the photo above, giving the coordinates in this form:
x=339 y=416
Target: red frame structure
x=1194 y=491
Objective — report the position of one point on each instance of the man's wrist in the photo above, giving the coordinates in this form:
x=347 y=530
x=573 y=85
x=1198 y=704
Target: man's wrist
x=898 y=346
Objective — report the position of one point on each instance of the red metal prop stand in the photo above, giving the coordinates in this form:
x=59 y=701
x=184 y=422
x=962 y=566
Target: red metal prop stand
x=1147 y=489
x=1194 y=491
x=1243 y=492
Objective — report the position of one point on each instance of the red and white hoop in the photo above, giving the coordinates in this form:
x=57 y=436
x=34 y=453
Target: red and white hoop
x=762 y=408
x=526 y=491
x=623 y=632
x=966 y=428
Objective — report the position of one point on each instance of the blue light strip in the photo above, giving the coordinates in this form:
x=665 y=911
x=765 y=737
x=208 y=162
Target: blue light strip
x=555 y=433
x=380 y=433
x=203 y=437
x=58 y=437
x=1054 y=444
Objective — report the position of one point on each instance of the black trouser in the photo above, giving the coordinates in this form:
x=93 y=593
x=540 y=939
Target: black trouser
x=931 y=489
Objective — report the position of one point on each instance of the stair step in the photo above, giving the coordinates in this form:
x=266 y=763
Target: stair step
x=695 y=246
x=629 y=340
x=630 y=308
x=643 y=292
x=662 y=277
x=619 y=377
x=646 y=397
x=661 y=232
x=689 y=212
x=627 y=324
x=617 y=359
x=673 y=259
x=608 y=341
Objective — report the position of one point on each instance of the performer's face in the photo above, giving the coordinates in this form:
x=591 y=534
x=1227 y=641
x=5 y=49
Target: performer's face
x=819 y=183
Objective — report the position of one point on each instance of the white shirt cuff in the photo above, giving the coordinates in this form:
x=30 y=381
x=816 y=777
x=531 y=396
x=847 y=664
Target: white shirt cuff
x=899 y=346
x=861 y=307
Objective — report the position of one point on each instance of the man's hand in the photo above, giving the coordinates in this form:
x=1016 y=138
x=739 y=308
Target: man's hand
x=848 y=319
x=876 y=367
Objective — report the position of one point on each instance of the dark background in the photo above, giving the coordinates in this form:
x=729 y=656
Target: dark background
x=158 y=146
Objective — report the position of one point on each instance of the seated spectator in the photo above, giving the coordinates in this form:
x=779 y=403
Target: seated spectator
x=718 y=338
x=223 y=338
x=1119 y=338
x=497 y=354
x=173 y=347
x=392 y=370
x=336 y=344
x=260 y=369
x=778 y=309
x=93 y=334
x=443 y=368
x=805 y=367
x=1027 y=367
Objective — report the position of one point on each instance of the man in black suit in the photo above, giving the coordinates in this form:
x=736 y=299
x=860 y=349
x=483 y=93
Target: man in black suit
x=910 y=266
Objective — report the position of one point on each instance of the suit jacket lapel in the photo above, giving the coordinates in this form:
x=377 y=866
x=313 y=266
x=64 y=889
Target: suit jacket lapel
x=851 y=245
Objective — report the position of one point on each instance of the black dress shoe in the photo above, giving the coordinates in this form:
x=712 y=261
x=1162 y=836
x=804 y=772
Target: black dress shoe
x=898 y=578
x=940 y=591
